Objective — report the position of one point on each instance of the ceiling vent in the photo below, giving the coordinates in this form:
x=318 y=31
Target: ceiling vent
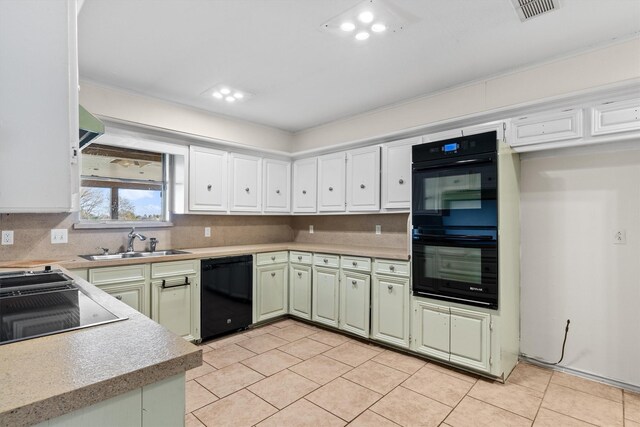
x=527 y=9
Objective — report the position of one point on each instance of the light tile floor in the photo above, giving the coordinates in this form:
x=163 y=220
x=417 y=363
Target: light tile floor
x=293 y=374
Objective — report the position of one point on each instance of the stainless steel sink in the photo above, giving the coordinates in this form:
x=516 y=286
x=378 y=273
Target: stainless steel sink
x=132 y=255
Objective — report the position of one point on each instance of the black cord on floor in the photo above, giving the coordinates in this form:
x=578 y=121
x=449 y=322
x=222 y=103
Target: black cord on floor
x=564 y=342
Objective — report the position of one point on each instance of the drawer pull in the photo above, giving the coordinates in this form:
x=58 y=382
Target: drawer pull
x=277 y=191
x=362 y=186
x=209 y=187
x=299 y=257
x=186 y=283
x=273 y=258
x=390 y=287
x=355 y=264
x=354 y=283
x=246 y=189
x=273 y=274
x=326 y=261
x=299 y=274
x=401 y=181
x=392 y=267
x=330 y=188
x=304 y=191
x=119 y=297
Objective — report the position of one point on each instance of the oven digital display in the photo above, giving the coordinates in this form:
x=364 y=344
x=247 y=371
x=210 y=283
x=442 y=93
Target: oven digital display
x=447 y=148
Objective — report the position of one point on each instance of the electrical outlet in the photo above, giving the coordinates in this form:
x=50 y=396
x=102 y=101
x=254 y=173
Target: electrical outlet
x=378 y=229
x=7 y=237
x=620 y=237
x=311 y=229
x=59 y=235
x=207 y=232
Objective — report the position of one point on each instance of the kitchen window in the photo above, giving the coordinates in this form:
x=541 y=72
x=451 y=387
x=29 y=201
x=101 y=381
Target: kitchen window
x=123 y=185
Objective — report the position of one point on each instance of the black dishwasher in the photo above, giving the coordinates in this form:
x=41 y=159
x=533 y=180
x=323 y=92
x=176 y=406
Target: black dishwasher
x=226 y=294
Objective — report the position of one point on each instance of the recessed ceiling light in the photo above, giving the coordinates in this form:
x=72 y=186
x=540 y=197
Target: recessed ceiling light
x=362 y=35
x=238 y=95
x=347 y=26
x=378 y=27
x=225 y=91
x=217 y=95
x=365 y=17
x=230 y=99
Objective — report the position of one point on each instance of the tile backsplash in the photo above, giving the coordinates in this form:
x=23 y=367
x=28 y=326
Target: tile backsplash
x=32 y=233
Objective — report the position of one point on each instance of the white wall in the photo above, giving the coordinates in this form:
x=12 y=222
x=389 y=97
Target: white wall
x=571 y=206
x=127 y=106
x=616 y=63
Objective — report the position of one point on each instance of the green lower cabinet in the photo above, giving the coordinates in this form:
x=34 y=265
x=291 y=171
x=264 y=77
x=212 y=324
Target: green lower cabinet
x=390 y=310
x=272 y=288
x=300 y=291
x=326 y=291
x=355 y=290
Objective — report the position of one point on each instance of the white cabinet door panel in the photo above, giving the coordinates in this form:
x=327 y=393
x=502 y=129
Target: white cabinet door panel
x=331 y=183
x=614 y=117
x=431 y=330
x=246 y=183
x=363 y=179
x=354 y=303
x=172 y=305
x=470 y=338
x=207 y=179
x=326 y=291
x=396 y=173
x=300 y=291
x=390 y=314
x=305 y=185
x=277 y=185
x=272 y=291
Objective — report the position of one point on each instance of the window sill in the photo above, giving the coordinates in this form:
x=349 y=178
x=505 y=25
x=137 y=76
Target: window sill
x=88 y=225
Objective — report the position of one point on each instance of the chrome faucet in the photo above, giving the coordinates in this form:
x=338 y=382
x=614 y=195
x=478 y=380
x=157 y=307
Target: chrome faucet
x=132 y=235
x=153 y=242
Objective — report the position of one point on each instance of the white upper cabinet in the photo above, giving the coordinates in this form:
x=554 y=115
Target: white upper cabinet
x=38 y=106
x=207 y=179
x=614 y=117
x=396 y=173
x=363 y=179
x=277 y=185
x=331 y=182
x=305 y=183
x=547 y=127
x=246 y=180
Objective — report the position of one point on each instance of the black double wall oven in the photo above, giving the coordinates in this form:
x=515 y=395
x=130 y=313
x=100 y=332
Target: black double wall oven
x=455 y=220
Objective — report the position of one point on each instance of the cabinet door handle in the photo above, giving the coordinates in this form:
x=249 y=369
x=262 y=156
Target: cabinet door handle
x=246 y=189
x=392 y=267
x=401 y=181
x=119 y=297
x=354 y=283
x=273 y=274
x=390 y=287
x=330 y=188
x=209 y=187
x=304 y=191
x=299 y=257
x=277 y=191
x=299 y=274
x=361 y=185
x=186 y=283
x=325 y=260
x=273 y=258
x=355 y=264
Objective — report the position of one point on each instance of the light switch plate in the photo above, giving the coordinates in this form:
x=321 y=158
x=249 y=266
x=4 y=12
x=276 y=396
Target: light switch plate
x=207 y=232
x=7 y=237
x=378 y=229
x=311 y=229
x=59 y=235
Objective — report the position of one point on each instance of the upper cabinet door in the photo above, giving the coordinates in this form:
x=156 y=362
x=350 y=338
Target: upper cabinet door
x=331 y=183
x=246 y=180
x=363 y=179
x=207 y=179
x=396 y=173
x=38 y=106
x=305 y=182
x=277 y=185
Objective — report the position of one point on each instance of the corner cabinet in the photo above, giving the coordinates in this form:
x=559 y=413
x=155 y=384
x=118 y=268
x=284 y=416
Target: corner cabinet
x=396 y=173
x=39 y=106
x=305 y=183
x=390 y=307
x=272 y=285
x=277 y=185
x=246 y=183
x=331 y=182
x=451 y=333
x=175 y=297
x=207 y=179
x=363 y=179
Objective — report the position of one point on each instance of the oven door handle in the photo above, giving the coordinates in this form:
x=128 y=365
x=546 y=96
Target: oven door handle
x=449 y=164
x=440 y=237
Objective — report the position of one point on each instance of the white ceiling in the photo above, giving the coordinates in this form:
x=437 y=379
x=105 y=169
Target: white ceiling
x=302 y=77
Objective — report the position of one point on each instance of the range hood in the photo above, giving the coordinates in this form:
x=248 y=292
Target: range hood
x=90 y=127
